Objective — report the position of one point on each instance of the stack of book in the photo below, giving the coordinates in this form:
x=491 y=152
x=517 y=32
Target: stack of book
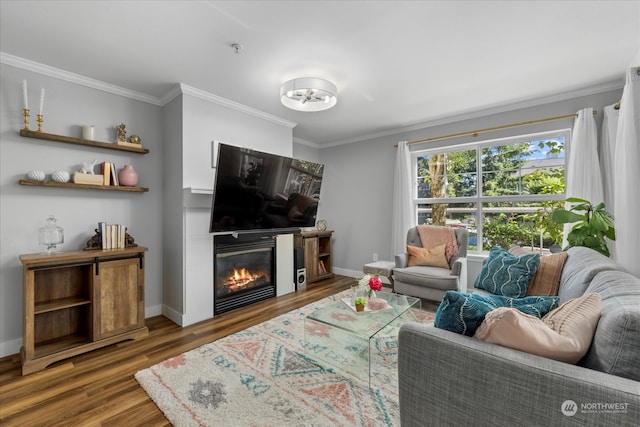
x=112 y=236
x=108 y=176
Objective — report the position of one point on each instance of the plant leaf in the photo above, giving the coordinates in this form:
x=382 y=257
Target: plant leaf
x=576 y=200
x=562 y=216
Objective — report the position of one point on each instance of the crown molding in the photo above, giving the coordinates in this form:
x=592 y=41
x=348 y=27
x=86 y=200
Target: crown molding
x=474 y=114
x=57 y=73
x=306 y=142
x=188 y=90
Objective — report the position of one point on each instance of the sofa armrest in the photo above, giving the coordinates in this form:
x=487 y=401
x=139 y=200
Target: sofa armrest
x=402 y=260
x=450 y=379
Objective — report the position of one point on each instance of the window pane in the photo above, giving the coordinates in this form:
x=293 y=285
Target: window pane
x=524 y=224
x=524 y=168
x=451 y=174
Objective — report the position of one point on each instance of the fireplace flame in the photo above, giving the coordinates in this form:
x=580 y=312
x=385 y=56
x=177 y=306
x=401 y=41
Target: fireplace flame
x=240 y=278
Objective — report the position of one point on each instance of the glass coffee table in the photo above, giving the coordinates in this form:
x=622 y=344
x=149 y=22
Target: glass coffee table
x=358 y=344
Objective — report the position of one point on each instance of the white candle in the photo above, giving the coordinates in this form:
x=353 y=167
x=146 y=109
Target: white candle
x=25 y=98
x=41 y=100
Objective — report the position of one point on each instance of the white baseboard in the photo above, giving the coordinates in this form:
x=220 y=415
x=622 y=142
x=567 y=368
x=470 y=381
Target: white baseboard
x=172 y=315
x=7 y=348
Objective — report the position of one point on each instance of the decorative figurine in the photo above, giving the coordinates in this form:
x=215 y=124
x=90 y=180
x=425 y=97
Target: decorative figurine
x=87 y=167
x=121 y=133
x=135 y=139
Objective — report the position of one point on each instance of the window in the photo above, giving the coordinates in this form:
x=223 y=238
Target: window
x=502 y=191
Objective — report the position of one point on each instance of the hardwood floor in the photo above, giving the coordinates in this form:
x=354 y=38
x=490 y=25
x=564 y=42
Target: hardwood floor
x=98 y=388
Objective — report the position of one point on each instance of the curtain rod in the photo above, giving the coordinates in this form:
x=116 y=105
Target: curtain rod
x=478 y=131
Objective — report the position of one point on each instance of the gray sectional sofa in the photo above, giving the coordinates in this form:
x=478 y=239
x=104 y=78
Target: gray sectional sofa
x=451 y=379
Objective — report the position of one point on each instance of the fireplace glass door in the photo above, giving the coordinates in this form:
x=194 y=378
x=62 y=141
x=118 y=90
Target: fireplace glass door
x=244 y=273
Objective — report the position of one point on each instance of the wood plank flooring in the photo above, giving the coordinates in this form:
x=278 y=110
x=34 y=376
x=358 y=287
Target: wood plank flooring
x=98 y=388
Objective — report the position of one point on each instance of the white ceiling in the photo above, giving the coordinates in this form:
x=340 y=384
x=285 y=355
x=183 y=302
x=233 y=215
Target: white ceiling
x=395 y=63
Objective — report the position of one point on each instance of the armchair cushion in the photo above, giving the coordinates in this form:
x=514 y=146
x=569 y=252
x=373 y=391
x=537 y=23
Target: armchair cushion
x=463 y=312
x=427 y=276
x=434 y=257
x=506 y=274
x=563 y=334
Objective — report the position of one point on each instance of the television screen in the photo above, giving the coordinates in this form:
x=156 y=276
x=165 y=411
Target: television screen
x=262 y=191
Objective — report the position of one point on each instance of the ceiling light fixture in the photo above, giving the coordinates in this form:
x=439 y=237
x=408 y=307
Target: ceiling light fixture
x=308 y=94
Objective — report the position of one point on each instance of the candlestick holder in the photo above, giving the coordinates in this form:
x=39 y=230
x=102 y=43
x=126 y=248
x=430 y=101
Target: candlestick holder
x=25 y=111
x=39 y=120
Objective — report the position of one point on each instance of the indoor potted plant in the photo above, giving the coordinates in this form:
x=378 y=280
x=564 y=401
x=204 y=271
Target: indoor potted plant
x=592 y=225
x=360 y=303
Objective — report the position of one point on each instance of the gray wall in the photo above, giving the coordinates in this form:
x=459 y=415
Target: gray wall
x=357 y=187
x=23 y=209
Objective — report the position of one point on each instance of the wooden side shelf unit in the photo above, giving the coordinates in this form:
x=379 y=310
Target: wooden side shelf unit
x=80 y=301
x=317 y=254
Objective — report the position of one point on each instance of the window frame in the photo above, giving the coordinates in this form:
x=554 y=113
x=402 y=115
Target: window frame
x=479 y=199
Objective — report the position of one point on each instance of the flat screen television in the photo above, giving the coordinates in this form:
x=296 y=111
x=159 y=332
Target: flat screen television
x=255 y=191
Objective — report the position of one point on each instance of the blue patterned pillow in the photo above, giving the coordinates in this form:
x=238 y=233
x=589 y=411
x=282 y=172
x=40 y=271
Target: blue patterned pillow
x=507 y=274
x=463 y=313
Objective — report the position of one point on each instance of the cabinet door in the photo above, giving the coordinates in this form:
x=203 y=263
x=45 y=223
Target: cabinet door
x=118 y=297
x=311 y=257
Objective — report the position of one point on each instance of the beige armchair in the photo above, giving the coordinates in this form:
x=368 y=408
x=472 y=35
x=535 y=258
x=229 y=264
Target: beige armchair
x=431 y=282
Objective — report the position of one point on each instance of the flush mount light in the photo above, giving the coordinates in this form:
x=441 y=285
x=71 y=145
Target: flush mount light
x=308 y=94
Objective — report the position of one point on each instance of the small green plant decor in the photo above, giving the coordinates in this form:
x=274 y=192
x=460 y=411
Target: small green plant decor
x=360 y=302
x=592 y=225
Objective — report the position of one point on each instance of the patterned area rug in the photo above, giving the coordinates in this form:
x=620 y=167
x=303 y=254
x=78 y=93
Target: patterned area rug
x=265 y=376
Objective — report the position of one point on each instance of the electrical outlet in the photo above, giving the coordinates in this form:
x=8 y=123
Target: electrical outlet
x=375 y=257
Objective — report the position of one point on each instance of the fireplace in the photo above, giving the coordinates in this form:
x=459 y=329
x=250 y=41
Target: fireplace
x=244 y=270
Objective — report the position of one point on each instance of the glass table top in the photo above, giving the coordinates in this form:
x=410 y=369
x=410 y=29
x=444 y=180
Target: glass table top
x=366 y=324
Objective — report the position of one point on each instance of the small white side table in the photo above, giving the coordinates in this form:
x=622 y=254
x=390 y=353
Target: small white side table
x=383 y=268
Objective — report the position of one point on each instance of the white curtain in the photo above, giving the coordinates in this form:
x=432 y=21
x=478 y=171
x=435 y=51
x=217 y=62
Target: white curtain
x=606 y=151
x=583 y=177
x=402 y=217
x=627 y=174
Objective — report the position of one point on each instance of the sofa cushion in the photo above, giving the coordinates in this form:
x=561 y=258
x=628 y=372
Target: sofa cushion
x=579 y=269
x=462 y=312
x=563 y=334
x=434 y=257
x=546 y=281
x=506 y=274
x=616 y=344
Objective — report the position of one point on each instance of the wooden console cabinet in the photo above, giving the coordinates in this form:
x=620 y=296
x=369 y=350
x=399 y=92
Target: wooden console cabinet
x=317 y=254
x=79 y=301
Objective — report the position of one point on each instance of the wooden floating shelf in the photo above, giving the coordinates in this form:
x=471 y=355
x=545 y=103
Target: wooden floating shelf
x=35 y=183
x=79 y=141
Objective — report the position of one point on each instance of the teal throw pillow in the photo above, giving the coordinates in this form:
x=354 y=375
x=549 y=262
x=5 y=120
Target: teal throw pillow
x=507 y=274
x=463 y=312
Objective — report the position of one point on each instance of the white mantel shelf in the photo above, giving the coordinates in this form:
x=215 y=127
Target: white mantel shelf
x=197 y=198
